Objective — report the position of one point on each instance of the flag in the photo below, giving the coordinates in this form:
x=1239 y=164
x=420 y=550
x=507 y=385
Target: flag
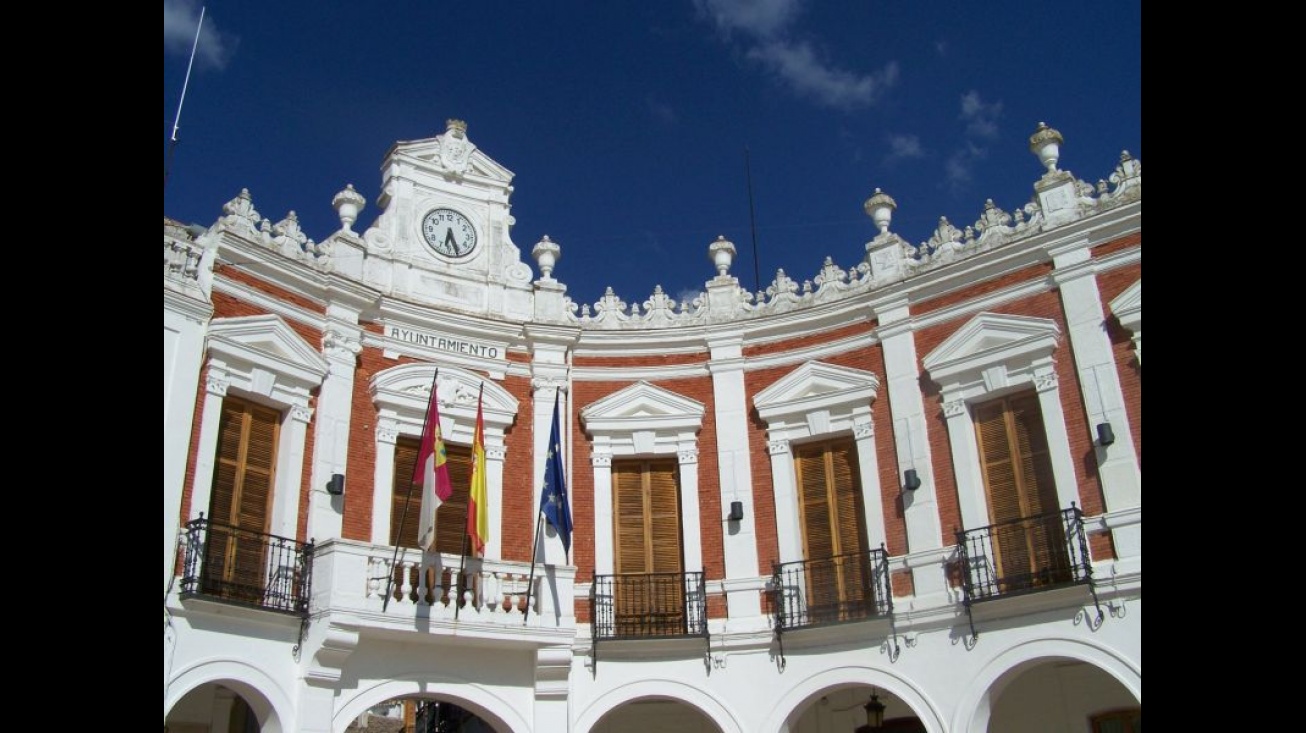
x=478 y=521
x=433 y=471
x=553 y=498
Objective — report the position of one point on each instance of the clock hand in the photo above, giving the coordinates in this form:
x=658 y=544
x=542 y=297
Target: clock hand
x=450 y=242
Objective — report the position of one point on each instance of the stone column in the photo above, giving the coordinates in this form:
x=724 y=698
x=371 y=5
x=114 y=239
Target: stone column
x=184 y=323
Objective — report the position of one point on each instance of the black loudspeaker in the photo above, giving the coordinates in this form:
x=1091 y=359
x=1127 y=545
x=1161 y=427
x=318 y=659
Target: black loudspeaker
x=736 y=511
x=910 y=480
x=336 y=486
x=1105 y=436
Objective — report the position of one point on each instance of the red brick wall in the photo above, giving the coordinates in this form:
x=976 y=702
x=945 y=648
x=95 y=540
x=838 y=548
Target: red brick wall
x=1115 y=245
x=1128 y=368
x=652 y=360
x=1033 y=272
x=235 y=274
x=519 y=509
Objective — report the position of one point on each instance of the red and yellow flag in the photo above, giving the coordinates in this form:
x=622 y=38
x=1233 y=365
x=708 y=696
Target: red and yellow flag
x=478 y=521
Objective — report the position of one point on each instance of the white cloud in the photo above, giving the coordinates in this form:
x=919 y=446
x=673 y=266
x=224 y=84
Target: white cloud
x=759 y=18
x=765 y=27
x=180 y=18
x=957 y=169
x=797 y=65
x=904 y=147
x=981 y=117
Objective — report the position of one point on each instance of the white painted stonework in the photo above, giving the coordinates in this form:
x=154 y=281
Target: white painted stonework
x=507 y=637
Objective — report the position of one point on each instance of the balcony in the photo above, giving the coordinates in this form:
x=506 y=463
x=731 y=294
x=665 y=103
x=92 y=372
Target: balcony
x=649 y=606
x=1024 y=556
x=246 y=568
x=840 y=589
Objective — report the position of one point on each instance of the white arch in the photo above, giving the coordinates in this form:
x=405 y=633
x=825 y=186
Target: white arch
x=975 y=705
x=488 y=706
x=271 y=704
x=788 y=708
x=666 y=689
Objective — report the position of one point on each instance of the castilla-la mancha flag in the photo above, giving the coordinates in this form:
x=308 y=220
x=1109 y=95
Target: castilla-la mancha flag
x=478 y=520
x=433 y=471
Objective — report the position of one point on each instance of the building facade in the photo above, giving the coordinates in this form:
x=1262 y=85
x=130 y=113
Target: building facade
x=915 y=482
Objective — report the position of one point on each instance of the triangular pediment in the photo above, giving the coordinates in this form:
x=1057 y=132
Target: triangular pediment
x=433 y=154
x=1128 y=305
x=267 y=341
x=993 y=338
x=816 y=379
x=405 y=390
x=642 y=406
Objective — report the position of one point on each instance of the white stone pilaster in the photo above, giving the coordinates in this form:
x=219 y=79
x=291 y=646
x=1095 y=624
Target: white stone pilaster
x=383 y=476
x=869 y=466
x=494 y=458
x=340 y=346
x=736 y=479
x=206 y=447
x=1102 y=393
x=789 y=531
x=552 y=688
x=907 y=406
x=183 y=356
x=290 y=472
x=687 y=463
x=604 y=562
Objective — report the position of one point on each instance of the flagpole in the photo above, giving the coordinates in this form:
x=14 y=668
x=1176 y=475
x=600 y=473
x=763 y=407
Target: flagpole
x=172 y=147
x=530 y=585
x=390 y=582
x=467 y=538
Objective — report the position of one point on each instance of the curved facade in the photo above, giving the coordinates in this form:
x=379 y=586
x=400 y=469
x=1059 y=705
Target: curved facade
x=917 y=477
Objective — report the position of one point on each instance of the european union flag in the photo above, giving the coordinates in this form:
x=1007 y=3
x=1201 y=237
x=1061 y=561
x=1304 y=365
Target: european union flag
x=553 y=499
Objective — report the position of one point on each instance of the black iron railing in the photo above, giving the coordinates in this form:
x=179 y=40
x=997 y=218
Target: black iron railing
x=249 y=568
x=1025 y=555
x=648 y=606
x=839 y=589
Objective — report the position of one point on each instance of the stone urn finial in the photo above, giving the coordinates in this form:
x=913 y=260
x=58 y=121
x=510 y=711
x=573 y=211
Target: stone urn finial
x=546 y=253
x=1046 y=144
x=722 y=253
x=880 y=208
x=347 y=204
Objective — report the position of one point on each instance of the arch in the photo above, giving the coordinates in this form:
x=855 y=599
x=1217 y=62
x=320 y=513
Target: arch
x=490 y=707
x=784 y=714
x=975 y=705
x=271 y=704
x=724 y=718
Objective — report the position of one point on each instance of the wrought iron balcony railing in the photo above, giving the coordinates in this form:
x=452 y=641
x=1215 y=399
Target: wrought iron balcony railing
x=248 y=568
x=648 y=606
x=1024 y=556
x=839 y=589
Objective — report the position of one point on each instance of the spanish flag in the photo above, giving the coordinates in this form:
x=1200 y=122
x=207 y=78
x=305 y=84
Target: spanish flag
x=478 y=521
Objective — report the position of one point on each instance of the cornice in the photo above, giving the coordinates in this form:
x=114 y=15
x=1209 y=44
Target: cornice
x=187 y=306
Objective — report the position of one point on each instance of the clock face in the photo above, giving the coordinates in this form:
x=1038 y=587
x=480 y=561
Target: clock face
x=448 y=233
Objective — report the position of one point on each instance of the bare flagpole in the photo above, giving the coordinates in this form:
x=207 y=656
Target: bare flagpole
x=530 y=584
x=176 y=124
x=390 y=582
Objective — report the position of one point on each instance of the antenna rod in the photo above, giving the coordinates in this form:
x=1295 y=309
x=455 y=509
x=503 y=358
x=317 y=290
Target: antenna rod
x=172 y=146
x=748 y=171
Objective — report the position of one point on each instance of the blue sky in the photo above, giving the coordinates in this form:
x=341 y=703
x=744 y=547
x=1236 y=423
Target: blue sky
x=626 y=124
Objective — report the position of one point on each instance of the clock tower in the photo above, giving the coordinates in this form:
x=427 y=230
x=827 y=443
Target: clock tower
x=443 y=234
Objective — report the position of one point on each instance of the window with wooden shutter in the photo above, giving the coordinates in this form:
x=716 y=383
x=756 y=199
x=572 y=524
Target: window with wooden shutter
x=649 y=592
x=1028 y=537
x=243 y=477
x=831 y=514
x=451 y=519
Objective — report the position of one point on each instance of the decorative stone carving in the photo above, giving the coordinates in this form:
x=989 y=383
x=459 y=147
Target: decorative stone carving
x=1046 y=144
x=1045 y=382
x=387 y=431
x=954 y=408
x=777 y=447
x=301 y=413
x=546 y=253
x=239 y=213
x=539 y=383
x=495 y=453
x=945 y=243
x=610 y=310
x=601 y=459
x=687 y=456
x=1127 y=179
x=347 y=204
x=339 y=343
x=880 y=207
x=455 y=150
x=217 y=384
x=660 y=308
x=861 y=431
x=722 y=253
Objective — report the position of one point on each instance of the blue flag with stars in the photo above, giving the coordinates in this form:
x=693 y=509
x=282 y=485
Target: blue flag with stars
x=553 y=499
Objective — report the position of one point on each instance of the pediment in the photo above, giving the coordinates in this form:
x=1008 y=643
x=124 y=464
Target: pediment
x=405 y=390
x=1128 y=306
x=266 y=341
x=816 y=386
x=642 y=406
x=991 y=339
x=434 y=154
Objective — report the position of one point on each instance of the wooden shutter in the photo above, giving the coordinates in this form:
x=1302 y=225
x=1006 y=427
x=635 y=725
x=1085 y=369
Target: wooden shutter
x=1018 y=478
x=243 y=476
x=646 y=520
x=451 y=519
x=834 y=533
